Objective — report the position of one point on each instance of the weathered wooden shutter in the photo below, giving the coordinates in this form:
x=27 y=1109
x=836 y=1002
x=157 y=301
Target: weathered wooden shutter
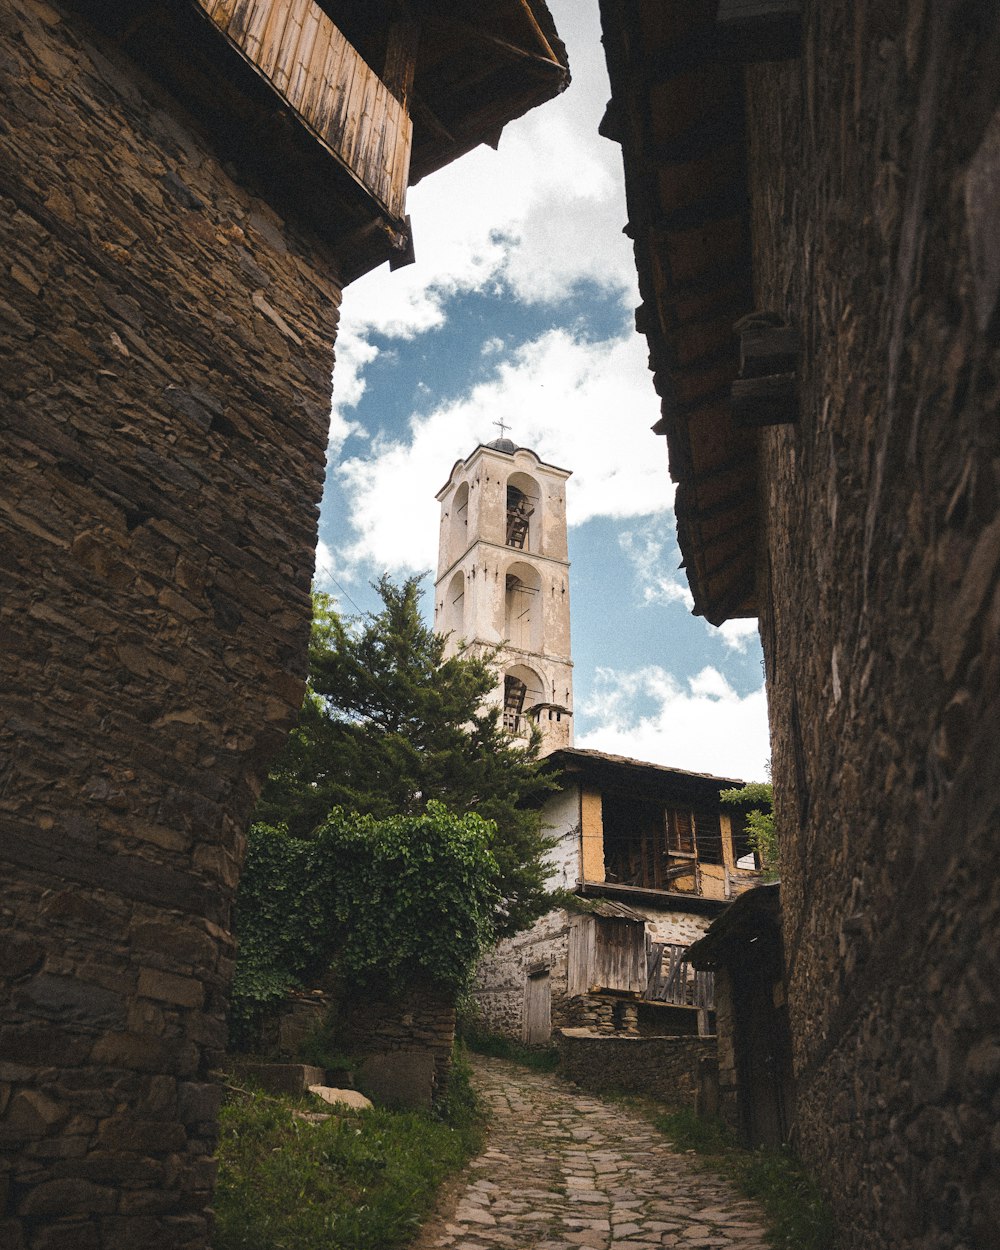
x=680 y=831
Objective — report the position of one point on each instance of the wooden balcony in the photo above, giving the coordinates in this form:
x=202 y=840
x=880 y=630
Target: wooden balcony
x=314 y=112
x=306 y=59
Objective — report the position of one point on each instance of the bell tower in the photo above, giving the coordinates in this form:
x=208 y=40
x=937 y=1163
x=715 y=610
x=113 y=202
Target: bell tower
x=503 y=580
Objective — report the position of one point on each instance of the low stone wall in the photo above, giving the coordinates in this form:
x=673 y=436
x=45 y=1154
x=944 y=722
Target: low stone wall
x=601 y=1013
x=663 y=1067
x=406 y=1045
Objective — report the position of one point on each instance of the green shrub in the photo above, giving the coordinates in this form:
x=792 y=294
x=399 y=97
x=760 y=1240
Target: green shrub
x=385 y=901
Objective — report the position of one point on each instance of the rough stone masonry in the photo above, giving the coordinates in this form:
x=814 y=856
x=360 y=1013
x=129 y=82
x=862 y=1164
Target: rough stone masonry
x=166 y=345
x=874 y=177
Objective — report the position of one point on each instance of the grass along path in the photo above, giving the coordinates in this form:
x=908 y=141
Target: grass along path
x=358 y=1181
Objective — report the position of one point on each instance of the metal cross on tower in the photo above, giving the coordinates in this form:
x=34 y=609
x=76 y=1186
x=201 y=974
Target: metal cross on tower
x=501 y=426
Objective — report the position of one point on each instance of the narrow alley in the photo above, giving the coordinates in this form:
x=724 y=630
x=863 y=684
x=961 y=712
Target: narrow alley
x=563 y=1169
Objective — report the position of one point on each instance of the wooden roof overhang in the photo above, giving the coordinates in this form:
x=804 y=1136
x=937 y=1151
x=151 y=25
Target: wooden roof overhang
x=752 y=915
x=479 y=66
x=654 y=781
x=331 y=108
x=677 y=110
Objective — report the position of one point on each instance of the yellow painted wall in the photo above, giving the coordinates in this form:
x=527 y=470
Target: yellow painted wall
x=592 y=826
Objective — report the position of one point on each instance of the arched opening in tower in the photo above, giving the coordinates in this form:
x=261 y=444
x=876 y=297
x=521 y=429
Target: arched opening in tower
x=522 y=494
x=522 y=608
x=455 y=606
x=522 y=691
x=458 y=536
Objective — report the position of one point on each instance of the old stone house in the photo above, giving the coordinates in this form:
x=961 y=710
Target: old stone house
x=812 y=192
x=651 y=856
x=185 y=188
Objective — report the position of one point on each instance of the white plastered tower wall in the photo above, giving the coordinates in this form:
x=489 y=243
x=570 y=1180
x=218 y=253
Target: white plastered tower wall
x=503 y=581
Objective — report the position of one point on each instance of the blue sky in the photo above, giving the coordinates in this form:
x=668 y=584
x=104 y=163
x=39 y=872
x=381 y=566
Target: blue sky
x=520 y=308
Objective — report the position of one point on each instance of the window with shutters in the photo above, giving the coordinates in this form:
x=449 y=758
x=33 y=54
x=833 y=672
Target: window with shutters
x=655 y=846
x=680 y=831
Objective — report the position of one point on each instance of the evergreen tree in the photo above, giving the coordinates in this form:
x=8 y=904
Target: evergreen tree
x=389 y=725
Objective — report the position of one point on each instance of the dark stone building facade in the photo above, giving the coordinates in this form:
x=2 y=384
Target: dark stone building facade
x=835 y=169
x=168 y=310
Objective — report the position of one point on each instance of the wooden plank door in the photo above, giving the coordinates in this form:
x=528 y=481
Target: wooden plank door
x=537 y=1027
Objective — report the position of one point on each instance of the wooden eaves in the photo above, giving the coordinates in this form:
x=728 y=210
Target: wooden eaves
x=656 y=780
x=677 y=111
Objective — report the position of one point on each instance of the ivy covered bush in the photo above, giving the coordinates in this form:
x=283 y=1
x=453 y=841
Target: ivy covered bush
x=410 y=897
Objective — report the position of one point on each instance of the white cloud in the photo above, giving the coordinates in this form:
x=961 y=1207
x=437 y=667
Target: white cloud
x=738 y=635
x=585 y=405
x=702 y=726
x=654 y=554
x=326 y=569
x=354 y=352
x=541 y=214
x=646 y=549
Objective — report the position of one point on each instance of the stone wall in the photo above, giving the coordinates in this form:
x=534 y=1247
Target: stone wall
x=601 y=1013
x=875 y=175
x=665 y=1068
x=165 y=357
x=727 y=1075
x=676 y=927
x=405 y=1043
x=498 y=992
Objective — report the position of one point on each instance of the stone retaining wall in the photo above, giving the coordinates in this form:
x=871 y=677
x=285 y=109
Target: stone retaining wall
x=414 y=1034
x=166 y=345
x=665 y=1068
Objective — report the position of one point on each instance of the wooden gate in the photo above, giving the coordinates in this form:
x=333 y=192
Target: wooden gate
x=670 y=979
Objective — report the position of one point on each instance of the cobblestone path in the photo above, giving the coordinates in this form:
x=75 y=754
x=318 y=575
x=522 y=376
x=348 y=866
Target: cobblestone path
x=563 y=1169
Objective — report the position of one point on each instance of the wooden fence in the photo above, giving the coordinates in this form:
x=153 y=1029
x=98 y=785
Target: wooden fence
x=671 y=979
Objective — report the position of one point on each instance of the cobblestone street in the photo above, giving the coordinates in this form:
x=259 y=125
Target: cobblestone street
x=563 y=1169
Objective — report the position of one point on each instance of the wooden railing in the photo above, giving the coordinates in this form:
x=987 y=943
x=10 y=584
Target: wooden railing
x=670 y=978
x=332 y=89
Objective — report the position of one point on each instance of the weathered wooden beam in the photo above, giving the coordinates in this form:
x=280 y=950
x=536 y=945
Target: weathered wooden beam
x=703 y=136
x=771 y=400
x=723 y=607
x=549 y=64
x=739 y=499
x=736 y=557
x=403 y=253
x=768 y=349
x=760 y=30
x=421 y=112
x=611 y=123
x=401 y=55
x=539 y=34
